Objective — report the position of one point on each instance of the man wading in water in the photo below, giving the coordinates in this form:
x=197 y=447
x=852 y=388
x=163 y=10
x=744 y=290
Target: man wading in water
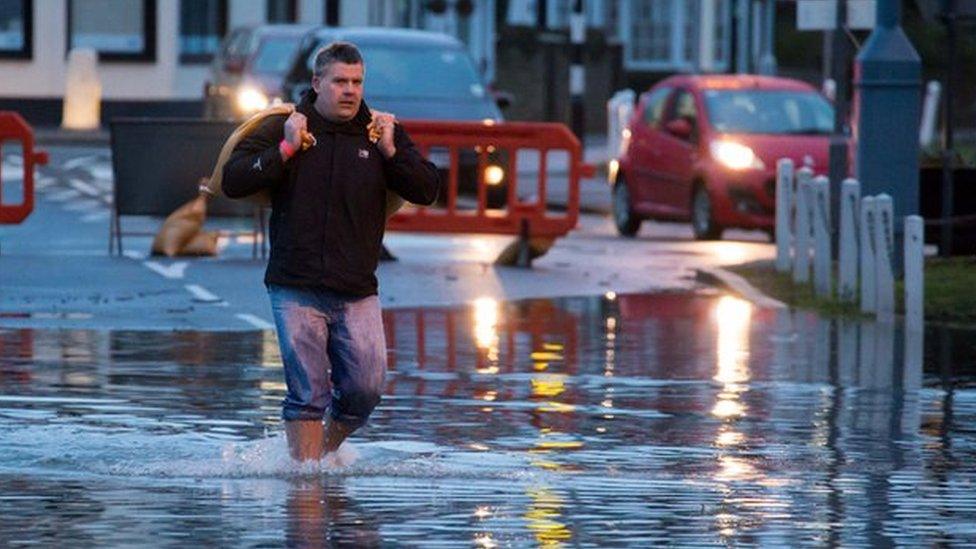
x=327 y=221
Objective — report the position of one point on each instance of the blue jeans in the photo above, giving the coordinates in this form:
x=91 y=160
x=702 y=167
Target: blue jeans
x=334 y=353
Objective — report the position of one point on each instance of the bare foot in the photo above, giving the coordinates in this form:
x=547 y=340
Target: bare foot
x=306 y=439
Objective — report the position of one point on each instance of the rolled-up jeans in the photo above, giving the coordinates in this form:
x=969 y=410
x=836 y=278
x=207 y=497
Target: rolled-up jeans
x=334 y=353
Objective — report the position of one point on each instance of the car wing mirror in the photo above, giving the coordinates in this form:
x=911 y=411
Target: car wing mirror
x=679 y=127
x=503 y=99
x=234 y=65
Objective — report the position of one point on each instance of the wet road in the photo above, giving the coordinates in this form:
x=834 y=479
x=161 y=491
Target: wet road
x=619 y=420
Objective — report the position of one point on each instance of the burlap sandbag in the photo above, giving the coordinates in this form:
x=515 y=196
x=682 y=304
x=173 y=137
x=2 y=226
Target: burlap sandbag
x=180 y=227
x=203 y=243
x=181 y=231
x=212 y=185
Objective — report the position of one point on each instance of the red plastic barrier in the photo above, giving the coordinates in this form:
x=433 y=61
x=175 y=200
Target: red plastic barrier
x=485 y=139
x=14 y=128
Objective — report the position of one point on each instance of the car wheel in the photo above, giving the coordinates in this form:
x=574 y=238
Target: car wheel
x=703 y=216
x=623 y=215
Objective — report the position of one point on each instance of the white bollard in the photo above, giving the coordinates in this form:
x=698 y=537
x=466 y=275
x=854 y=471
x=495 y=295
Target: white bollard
x=620 y=107
x=784 y=210
x=884 y=244
x=801 y=245
x=822 y=257
x=83 y=91
x=850 y=207
x=930 y=113
x=914 y=273
x=869 y=212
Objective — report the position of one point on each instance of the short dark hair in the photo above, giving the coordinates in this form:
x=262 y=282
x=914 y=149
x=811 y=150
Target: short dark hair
x=336 y=52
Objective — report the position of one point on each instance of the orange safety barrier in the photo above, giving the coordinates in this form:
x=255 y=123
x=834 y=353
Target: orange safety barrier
x=526 y=217
x=14 y=128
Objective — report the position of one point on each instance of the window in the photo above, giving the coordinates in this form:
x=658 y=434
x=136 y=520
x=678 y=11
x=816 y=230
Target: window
x=650 y=31
x=683 y=107
x=202 y=25
x=667 y=35
x=654 y=105
x=16 y=29
x=769 y=112
x=119 y=30
x=282 y=11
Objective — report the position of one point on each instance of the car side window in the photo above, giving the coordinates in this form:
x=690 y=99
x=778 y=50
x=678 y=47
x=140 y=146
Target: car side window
x=654 y=102
x=683 y=107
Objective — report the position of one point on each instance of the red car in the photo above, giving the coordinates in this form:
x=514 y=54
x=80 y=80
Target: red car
x=703 y=148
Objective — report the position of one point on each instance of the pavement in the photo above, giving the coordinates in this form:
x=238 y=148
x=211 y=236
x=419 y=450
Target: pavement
x=56 y=272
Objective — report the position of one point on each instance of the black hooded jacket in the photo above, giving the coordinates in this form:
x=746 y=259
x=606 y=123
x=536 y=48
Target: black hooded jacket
x=328 y=202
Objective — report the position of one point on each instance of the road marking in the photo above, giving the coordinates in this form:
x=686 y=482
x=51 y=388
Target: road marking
x=80 y=161
x=256 y=321
x=174 y=271
x=61 y=196
x=83 y=187
x=201 y=294
x=84 y=204
x=100 y=216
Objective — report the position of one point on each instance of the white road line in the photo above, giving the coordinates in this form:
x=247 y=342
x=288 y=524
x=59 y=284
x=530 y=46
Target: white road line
x=256 y=321
x=174 y=271
x=83 y=187
x=61 y=196
x=201 y=294
x=85 y=204
x=97 y=217
x=80 y=161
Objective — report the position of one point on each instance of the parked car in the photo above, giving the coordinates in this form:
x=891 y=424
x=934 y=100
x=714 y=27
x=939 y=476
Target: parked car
x=703 y=148
x=417 y=75
x=247 y=71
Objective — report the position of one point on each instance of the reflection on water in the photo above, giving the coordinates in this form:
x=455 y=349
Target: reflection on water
x=615 y=420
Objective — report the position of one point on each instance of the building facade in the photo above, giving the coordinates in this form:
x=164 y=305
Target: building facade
x=154 y=54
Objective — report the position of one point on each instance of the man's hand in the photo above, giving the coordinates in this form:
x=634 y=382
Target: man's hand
x=295 y=129
x=383 y=123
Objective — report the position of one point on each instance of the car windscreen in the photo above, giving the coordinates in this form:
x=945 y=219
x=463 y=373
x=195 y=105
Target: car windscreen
x=769 y=112
x=275 y=54
x=413 y=72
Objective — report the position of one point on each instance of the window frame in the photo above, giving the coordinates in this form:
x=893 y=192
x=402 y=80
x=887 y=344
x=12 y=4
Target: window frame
x=666 y=92
x=291 y=16
x=205 y=58
x=671 y=111
x=678 y=42
x=148 y=53
x=27 y=50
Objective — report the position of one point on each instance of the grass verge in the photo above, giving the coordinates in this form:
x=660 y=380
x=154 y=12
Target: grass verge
x=950 y=289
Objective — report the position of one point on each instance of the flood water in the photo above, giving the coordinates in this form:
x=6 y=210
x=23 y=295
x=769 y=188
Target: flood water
x=608 y=421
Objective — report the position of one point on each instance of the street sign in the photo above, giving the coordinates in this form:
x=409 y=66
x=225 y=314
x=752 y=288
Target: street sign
x=821 y=15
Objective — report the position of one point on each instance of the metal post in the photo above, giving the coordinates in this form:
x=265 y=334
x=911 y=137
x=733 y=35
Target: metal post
x=822 y=256
x=889 y=83
x=945 y=242
x=914 y=272
x=801 y=251
x=930 y=112
x=840 y=73
x=784 y=212
x=867 y=255
x=577 y=75
x=884 y=250
x=850 y=207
